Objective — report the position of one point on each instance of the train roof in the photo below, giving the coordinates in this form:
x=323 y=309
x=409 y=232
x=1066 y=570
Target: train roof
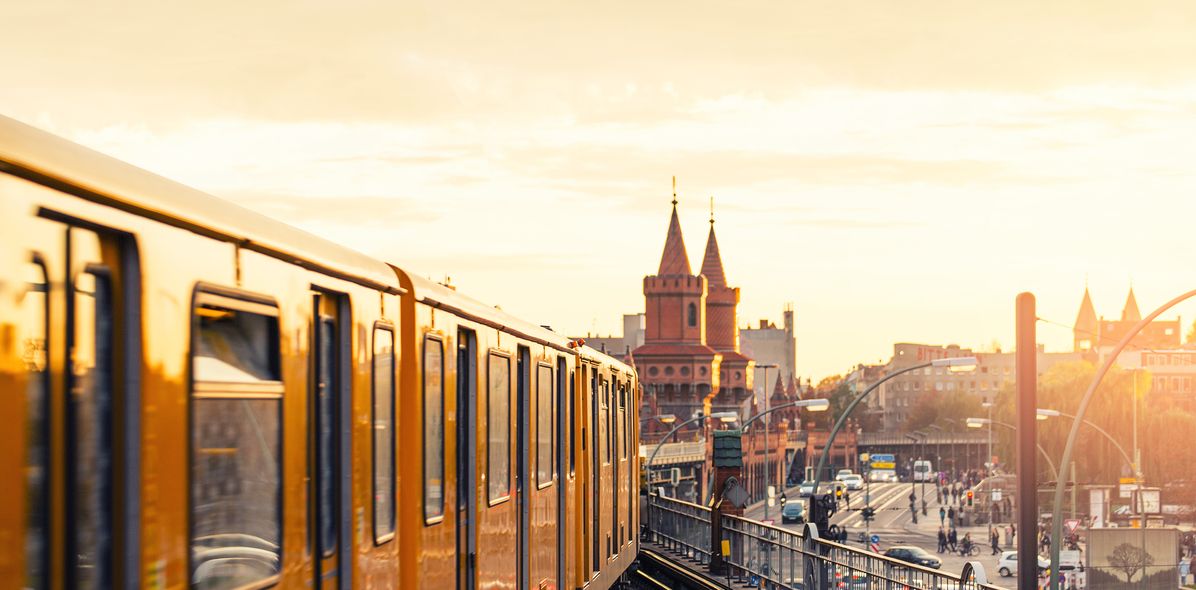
x=439 y=296
x=48 y=159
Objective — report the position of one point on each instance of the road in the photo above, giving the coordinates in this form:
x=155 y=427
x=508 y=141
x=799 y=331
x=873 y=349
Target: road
x=894 y=524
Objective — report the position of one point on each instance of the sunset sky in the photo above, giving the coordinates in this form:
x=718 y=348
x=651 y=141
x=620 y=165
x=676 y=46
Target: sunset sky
x=897 y=170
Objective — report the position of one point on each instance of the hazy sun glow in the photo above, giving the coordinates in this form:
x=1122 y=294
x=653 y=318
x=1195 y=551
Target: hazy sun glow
x=898 y=172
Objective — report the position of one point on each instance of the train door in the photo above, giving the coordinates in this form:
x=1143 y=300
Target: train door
x=83 y=480
x=523 y=485
x=596 y=469
x=467 y=549
x=329 y=408
x=563 y=403
x=615 y=409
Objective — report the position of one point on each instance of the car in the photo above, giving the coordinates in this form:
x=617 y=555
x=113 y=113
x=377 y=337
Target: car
x=793 y=512
x=853 y=482
x=1007 y=564
x=914 y=555
x=843 y=473
x=806 y=489
x=882 y=475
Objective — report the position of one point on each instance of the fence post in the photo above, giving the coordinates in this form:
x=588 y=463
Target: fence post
x=813 y=573
x=728 y=463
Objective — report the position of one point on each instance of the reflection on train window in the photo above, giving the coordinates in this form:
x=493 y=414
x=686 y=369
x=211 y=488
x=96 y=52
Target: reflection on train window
x=544 y=425
x=384 y=434
x=498 y=427
x=236 y=438
x=34 y=355
x=90 y=419
x=433 y=428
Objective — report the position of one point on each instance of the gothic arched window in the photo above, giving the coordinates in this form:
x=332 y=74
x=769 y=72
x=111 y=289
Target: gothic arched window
x=693 y=315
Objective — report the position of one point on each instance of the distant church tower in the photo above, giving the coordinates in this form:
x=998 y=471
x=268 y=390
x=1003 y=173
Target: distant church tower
x=722 y=321
x=675 y=365
x=1086 y=333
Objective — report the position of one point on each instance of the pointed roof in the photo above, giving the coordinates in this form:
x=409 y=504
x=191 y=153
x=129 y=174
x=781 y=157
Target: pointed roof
x=778 y=392
x=1086 y=322
x=674 y=261
x=1130 y=312
x=712 y=262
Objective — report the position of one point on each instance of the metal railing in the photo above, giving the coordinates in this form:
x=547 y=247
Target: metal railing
x=781 y=558
x=679 y=526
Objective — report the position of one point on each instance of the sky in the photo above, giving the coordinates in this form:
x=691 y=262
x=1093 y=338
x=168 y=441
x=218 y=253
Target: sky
x=897 y=171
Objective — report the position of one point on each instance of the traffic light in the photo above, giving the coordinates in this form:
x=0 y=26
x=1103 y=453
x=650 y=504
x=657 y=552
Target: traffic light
x=838 y=492
x=969 y=498
x=869 y=513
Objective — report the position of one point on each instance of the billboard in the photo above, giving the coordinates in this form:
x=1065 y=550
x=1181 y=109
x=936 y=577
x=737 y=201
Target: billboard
x=1133 y=558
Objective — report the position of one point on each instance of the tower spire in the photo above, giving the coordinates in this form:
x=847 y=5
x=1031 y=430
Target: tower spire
x=712 y=210
x=674 y=261
x=712 y=262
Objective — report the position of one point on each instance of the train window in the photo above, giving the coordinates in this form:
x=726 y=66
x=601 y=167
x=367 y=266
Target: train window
x=544 y=426
x=572 y=425
x=433 y=429
x=498 y=429
x=384 y=434
x=90 y=419
x=236 y=443
x=327 y=390
x=34 y=354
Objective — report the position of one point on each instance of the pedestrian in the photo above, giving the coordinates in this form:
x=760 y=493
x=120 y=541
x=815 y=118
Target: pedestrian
x=942 y=540
x=942 y=515
x=1046 y=541
x=952 y=539
x=847 y=498
x=996 y=541
x=951 y=515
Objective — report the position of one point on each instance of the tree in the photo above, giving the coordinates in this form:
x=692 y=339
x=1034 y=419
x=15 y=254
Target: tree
x=937 y=408
x=1129 y=559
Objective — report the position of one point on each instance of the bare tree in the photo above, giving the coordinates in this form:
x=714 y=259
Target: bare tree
x=1129 y=559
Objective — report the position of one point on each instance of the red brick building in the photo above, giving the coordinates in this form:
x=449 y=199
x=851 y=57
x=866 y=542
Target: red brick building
x=690 y=355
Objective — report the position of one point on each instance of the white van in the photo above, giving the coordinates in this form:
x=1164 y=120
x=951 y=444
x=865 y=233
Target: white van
x=923 y=471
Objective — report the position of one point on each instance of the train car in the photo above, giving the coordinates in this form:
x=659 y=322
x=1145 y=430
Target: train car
x=202 y=396
x=524 y=476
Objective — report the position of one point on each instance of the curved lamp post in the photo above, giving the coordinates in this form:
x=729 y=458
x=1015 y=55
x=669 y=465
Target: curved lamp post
x=1044 y=413
x=722 y=416
x=982 y=422
x=1057 y=523
x=957 y=364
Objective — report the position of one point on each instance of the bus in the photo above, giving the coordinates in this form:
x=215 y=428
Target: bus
x=882 y=467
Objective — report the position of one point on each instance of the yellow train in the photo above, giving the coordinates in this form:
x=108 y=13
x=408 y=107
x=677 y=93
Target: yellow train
x=197 y=395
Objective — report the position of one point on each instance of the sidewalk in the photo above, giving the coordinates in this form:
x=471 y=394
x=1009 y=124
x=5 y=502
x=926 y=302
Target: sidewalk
x=929 y=525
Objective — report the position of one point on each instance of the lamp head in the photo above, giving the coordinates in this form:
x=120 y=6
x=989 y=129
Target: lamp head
x=960 y=364
x=1044 y=413
x=815 y=405
x=666 y=418
x=725 y=417
x=977 y=422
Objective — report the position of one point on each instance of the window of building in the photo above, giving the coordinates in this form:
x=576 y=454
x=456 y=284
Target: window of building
x=236 y=440
x=693 y=315
x=653 y=371
x=702 y=371
x=433 y=428
x=544 y=425
x=498 y=428
x=668 y=370
x=384 y=434
x=938 y=385
x=685 y=371
x=738 y=375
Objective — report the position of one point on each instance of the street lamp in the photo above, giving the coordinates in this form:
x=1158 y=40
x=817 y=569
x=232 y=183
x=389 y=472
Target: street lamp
x=1057 y=523
x=726 y=417
x=813 y=405
x=982 y=422
x=1044 y=413
x=955 y=365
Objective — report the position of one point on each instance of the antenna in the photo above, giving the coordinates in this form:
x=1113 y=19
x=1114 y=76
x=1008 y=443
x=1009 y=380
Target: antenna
x=711 y=209
x=674 y=190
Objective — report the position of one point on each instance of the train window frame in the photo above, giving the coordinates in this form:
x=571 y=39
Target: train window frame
x=384 y=326
x=235 y=300
x=551 y=442
x=572 y=424
x=431 y=519
x=506 y=357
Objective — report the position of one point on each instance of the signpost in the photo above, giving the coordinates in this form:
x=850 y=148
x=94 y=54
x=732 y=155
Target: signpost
x=1072 y=524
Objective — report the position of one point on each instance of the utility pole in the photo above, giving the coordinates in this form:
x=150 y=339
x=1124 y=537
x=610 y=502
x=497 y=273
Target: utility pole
x=1027 y=437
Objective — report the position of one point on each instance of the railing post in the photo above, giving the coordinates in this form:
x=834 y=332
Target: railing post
x=728 y=464
x=814 y=574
